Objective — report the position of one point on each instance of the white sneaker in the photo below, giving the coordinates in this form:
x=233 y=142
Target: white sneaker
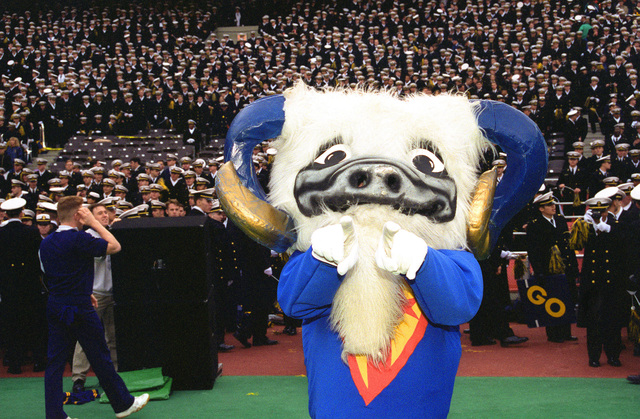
x=138 y=403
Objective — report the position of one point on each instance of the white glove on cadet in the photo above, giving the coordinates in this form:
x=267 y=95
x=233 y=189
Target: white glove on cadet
x=602 y=226
x=505 y=254
x=399 y=251
x=588 y=218
x=328 y=244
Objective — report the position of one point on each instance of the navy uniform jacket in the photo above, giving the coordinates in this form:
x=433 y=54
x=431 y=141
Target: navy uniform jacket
x=634 y=167
x=629 y=216
x=571 y=133
x=256 y=289
x=602 y=286
x=178 y=191
x=541 y=237
x=595 y=183
x=632 y=250
x=592 y=163
x=196 y=136
x=621 y=168
x=577 y=180
x=32 y=198
x=224 y=258
x=19 y=266
x=43 y=180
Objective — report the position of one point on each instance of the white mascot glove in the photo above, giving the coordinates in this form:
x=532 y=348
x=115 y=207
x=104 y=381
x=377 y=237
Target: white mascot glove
x=328 y=244
x=268 y=271
x=191 y=141
x=399 y=251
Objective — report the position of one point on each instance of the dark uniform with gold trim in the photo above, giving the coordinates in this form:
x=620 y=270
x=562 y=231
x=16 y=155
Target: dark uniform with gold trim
x=602 y=290
x=572 y=178
x=226 y=274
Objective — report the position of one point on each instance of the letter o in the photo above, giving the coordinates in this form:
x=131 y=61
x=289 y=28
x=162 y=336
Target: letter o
x=562 y=308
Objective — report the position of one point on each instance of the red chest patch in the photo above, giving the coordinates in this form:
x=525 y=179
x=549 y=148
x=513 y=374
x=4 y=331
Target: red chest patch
x=372 y=379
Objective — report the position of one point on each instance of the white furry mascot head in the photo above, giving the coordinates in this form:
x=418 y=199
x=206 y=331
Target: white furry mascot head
x=376 y=157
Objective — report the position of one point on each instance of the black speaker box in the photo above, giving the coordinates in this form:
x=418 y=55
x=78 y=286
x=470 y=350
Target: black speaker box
x=163 y=297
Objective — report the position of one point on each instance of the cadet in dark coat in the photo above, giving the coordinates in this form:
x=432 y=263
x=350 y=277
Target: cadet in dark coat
x=223 y=265
x=596 y=183
x=602 y=285
x=543 y=233
x=192 y=136
x=226 y=275
x=597 y=151
x=21 y=289
x=490 y=322
x=130 y=118
x=571 y=130
x=32 y=194
x=176 y=186
x=572 y=180
x=44 y=175
x=257 y=289
x=620 y=162
x=180 y=114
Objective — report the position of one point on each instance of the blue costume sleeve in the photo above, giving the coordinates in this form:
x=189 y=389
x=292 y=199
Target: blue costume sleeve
x=448 y=286
x=307 y=286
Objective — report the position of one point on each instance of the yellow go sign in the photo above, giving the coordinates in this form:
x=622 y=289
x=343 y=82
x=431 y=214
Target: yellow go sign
x=538 y=296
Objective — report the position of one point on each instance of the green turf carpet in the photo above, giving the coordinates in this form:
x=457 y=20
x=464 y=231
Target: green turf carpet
x=286 y=397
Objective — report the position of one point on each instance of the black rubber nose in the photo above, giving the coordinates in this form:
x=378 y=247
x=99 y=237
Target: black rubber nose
x=381 y=178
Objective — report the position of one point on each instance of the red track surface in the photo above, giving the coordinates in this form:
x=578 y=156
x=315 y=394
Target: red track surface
x=535 y=358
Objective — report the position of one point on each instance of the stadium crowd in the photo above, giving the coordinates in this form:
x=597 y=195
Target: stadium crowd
x=124 y=69
x=83 y=70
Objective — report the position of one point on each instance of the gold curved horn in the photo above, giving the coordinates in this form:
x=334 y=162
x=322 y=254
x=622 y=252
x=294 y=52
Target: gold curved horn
x=256 y=218
x=480 y=214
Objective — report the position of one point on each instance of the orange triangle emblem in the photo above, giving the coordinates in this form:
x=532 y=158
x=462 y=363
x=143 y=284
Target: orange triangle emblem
x=371 y=379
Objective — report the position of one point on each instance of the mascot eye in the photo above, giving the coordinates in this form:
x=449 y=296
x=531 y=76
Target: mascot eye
x=427 y=162
x=332 y=156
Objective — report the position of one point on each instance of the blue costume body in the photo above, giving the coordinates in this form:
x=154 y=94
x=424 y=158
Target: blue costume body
x=448 y=291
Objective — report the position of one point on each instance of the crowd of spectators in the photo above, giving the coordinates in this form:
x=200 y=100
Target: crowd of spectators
x=121 y=69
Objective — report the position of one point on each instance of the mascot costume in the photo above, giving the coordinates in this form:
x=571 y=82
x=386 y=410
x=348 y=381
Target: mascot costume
x=380 y=201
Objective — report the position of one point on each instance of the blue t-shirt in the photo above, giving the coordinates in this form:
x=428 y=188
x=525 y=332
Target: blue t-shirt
x=67 y=261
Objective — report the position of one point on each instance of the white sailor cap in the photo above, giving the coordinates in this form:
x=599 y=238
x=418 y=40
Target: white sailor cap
x=612 y=192
x=13 y=204
x=544 y=199
x=48 y=206
x=635 y=194
x=598 y=203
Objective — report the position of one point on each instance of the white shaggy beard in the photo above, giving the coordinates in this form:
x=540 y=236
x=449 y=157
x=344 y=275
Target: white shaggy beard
x=369 y=303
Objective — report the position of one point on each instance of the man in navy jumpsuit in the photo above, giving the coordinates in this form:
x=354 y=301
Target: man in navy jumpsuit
x=67 y=257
